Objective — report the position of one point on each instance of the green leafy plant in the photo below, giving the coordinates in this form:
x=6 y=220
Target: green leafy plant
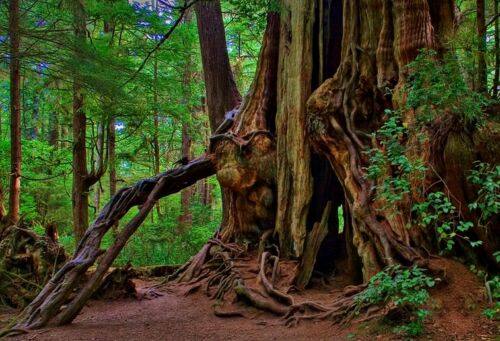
x=436 y=85
x=437 y=210
x=493 y=291
x=404 y=288
x=487 y=177
x=393 y=157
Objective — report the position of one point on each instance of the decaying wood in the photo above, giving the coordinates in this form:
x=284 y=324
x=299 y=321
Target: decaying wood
x=47 y=307
x=313 y=243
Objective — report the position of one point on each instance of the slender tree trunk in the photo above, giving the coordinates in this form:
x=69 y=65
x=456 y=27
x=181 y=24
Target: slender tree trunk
x=80 y=174
x=482 y=71
x=82 y=178
x=109 y=27
x=156 y=133
x=112 y=157
x=54 y=130
x=15 y=107
x=185 y=219
x=496 y=78
x=99 y=160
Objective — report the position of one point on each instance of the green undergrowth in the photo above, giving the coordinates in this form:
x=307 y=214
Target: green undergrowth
x=405 y=289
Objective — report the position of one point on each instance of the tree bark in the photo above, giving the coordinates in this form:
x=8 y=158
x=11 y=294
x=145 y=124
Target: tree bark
x=53 y=139
x=112 y=156
x=482 y=70
x=294 y=87
x=222 y=94
x=15 y=116
x=46 y=307
x=341 y=119
x=496 y=77
x=185 y=218
x=82 y=178
x=156 y=132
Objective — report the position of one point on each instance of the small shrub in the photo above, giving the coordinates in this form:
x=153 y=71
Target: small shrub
x=405 y=288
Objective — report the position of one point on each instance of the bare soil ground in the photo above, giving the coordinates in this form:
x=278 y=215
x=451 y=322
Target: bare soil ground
x=455 y=315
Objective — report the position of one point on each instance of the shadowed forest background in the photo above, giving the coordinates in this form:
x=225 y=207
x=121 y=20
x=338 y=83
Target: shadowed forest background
x=327 y=141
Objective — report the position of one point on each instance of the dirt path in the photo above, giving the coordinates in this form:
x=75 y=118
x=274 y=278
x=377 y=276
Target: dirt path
x=173 y=317
x=455 y=315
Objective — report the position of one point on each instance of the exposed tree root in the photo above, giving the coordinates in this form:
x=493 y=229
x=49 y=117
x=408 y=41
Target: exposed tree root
x=229 y=275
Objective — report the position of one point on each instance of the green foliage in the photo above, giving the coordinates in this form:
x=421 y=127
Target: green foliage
x=393 y=172
x=405 y=288
x=493 y=289
x=392 y=158
x=487 y=178
x=107 y=63
x=437 y=86
x=437 y=210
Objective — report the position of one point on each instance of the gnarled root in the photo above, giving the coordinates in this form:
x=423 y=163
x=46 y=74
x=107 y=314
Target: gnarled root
x=230 y=272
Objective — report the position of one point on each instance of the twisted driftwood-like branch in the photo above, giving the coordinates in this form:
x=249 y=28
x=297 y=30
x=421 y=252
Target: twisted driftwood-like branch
x=47 y=307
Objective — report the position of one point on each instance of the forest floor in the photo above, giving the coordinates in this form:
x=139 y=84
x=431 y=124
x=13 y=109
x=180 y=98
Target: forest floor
x=455 y=315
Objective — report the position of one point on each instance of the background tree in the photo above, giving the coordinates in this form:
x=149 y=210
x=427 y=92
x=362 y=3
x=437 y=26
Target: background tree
x=15 y=110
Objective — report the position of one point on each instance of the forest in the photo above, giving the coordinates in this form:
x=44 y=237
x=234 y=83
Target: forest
x=240 y=170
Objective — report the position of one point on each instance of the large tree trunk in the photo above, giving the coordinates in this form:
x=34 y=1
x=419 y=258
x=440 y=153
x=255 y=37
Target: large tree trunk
x=15 y=112
x=346 y=109
x=294 y=88
x=222 y=93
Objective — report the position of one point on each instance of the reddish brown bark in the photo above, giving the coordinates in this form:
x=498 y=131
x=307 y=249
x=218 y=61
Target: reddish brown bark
x=222 y=93
x=15 y=113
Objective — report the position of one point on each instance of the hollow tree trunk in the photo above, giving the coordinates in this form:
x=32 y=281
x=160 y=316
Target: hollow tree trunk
x=15 y=112
x=379 y=39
